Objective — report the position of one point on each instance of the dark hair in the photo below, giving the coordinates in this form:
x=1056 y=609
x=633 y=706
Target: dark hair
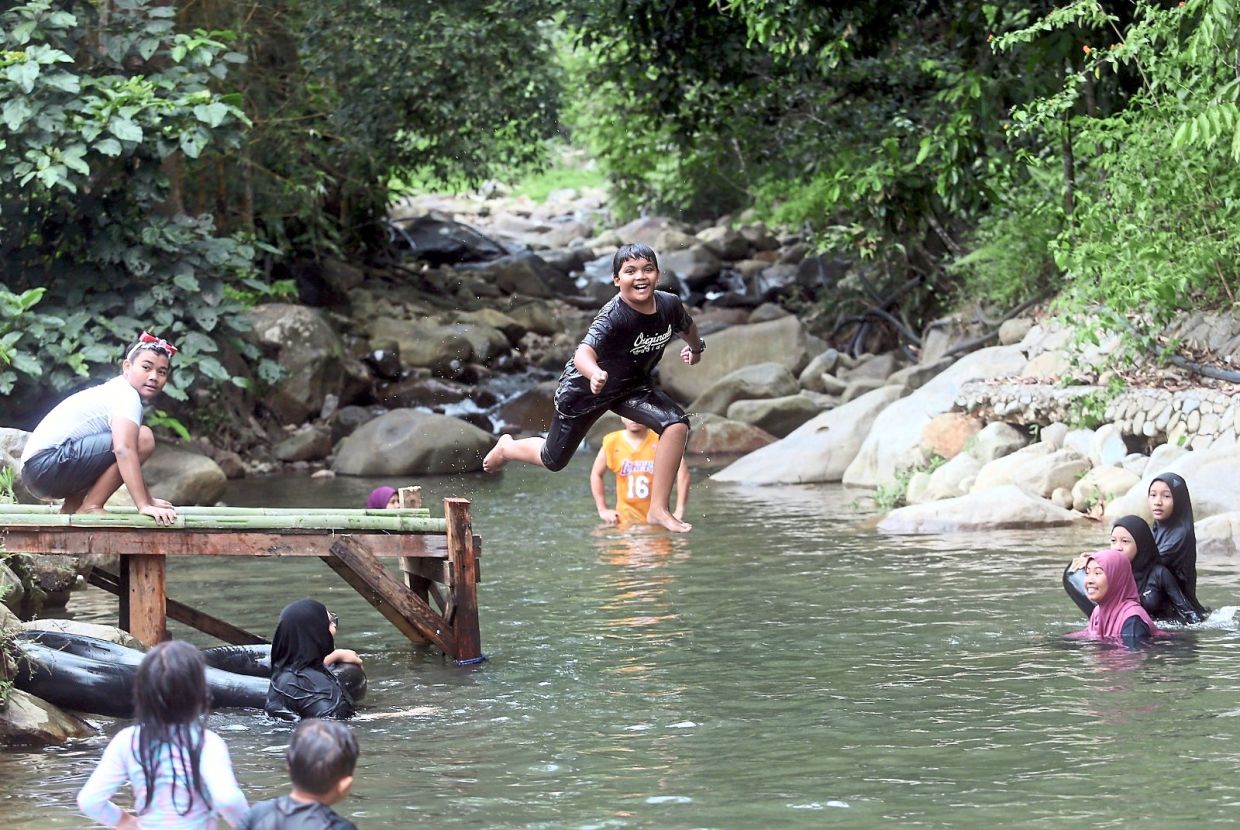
x=320 y=753
x=171 y=702
x=634 y=250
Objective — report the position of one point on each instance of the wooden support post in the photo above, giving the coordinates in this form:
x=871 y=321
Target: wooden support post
x=414 y=579
x=464 y=588
x=363 y=570
x=147 y=598
x=122 y=585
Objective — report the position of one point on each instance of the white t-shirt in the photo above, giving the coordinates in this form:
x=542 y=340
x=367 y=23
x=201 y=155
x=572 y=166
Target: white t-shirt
x=88 y=412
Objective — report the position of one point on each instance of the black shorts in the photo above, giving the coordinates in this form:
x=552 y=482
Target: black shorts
x=69 y=469
x=646 y=405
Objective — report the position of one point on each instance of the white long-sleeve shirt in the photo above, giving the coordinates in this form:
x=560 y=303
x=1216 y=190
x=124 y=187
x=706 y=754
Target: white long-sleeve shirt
x=120 y=764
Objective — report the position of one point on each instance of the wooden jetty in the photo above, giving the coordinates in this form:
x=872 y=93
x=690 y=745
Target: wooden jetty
x=432 y=600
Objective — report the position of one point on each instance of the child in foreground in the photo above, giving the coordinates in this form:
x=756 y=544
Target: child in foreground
x=179 y=770
x=629 y=453
x=94 y=441
x=321 y=757
x=611 y=370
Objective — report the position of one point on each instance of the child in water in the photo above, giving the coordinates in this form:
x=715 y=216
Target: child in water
x=321 y=757
x=179 y=770
x=303 y=647
x=1174 y=533
x=1118 y=614
x=629 y=453
x=94 y=441
x=611 y=370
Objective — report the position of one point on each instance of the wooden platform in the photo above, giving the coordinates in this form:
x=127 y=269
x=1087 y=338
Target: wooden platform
x=438 y=561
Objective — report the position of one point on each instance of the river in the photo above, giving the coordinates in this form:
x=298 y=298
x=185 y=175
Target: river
x=782 y=665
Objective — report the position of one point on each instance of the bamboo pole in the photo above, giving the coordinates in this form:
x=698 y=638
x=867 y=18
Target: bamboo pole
x=196 y=510
x=387 y=523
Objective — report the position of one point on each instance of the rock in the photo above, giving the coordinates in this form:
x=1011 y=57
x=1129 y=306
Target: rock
x=918 y=485
x=12 y=443
x=725 y=243
x=697 y=267
x=183 y=477
x=874 y=367
x=535 y=317
x=711 y=435
x=760 y=380
x=9 y=623
x=310 y=352
x=767 y=311
x=1013 y=331
x=1219 y=536
x=1053 y=435
x=1051 y=364
x=1036 y=468
x=818 y=450
x=996 y=440
x=607 y=423
x=424 y=342
x=567 y=260
x=566 y=232
x=811 y=375
x=342 y=276
x=946 y=435
x=444 y=242
x=492 y=320
x=531 y=411
x=1102 y=485
x=12 y=591
x=670 y=239
x=349 y=418
x=781 y=341
x=1107 y=446
x=311 y=444
x=424 y=392
x=51 y=578
x=526 y=274
x=1134 y=462
x=778 y=416
x=406 y=442
x=918 y=374
x=1000 y=508
x=233 y=466
x=1210 y=474
x=898 y=428
x=30 y=721
x=952 y=479
x=108 y=633
x=645 y=230
x=857 y=387
x=1062 y=497
x=759 y=237
x=1080 y=440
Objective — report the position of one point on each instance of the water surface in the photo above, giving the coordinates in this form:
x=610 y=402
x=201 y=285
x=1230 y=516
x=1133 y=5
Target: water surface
x=783 y=665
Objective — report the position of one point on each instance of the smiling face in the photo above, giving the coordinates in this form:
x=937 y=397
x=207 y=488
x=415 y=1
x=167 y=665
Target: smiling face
x=1162 y=503
x=1095 y=581
x=636 y=280
x=1122 y=541
x=147 y=372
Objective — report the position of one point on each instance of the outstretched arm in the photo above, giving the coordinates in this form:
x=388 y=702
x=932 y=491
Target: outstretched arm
x=599 y=491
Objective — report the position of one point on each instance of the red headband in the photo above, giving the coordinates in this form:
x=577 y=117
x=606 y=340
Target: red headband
x=150 y=341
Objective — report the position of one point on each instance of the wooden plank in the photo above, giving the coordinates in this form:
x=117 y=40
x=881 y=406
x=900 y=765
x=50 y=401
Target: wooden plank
x=415 y=581
x=122 y=585
x=183 y=613
x=147 y=598
x=392 y=522
x=117 y=541
x=388 y=595
x=410 y=497
x=212 y=510
x=464 y=593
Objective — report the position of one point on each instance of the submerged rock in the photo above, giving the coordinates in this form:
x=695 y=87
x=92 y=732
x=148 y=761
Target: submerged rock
x=28 y=720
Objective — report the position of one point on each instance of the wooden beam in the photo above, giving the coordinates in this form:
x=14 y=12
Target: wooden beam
x=147 y=598
x=393 y=521
x=464 y=593
x=183 y=613
x=118 y=541
x=363 y=570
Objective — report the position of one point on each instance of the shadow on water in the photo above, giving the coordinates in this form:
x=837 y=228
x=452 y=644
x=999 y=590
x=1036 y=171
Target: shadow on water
x=782 y=665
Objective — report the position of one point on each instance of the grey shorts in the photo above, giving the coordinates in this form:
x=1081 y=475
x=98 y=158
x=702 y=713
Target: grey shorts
x=69 y=469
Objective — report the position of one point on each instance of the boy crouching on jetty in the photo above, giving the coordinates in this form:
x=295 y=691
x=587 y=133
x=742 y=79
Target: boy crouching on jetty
x=321 y=757
x=611 y=370
x=94 y=441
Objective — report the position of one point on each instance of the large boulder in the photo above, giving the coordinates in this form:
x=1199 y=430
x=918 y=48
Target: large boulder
x=183 y=477
x=697 y=267
x=107 y=633
x=947 y=435
x=996 y=440
x=310 y=444
x=778 y=416
x=12 y=591
x=712 y=435
x=818 y=450
x=1219 y=536
x=1102 y=485
x=725 y=243
x=896 y=432
x=424 y=342
x=781 y=341
x=406 y=442
x=27 y=720
x=444 y=242
x=761 y=380
x=952 y=479
x=1210 y=475
x=1001 y=508
x=1037 y=468
x=532 y=410
x=311 y=353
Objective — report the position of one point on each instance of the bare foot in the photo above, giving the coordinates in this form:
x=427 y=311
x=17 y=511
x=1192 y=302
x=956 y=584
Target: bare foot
x=496 y=458
x=667 y=521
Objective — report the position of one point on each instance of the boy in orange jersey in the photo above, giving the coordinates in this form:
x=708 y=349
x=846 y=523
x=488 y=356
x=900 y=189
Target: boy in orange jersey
x=629 y=453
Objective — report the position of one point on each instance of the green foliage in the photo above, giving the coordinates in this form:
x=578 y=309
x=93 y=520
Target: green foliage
x=7 y=477
x=159 y=418
x=1088 y=411
x=97 y=112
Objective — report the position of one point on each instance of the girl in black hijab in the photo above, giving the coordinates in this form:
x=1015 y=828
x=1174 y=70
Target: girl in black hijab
x=1174 y=533
x=301 y=685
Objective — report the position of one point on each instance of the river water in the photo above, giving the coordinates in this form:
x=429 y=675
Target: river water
x=782 y=665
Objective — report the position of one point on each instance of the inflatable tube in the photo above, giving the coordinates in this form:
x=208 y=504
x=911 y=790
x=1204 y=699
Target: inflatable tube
x=255 y=661
x=1074 y=584
x=85 y=674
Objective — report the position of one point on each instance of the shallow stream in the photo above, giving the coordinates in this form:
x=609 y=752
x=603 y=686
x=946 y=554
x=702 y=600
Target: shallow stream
x=783 y=665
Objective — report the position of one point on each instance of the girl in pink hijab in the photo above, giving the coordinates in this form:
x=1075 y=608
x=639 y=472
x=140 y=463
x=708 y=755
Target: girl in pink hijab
x=1118 y=615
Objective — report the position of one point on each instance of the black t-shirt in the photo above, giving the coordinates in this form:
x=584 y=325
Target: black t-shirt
x=284 y=813
x=629 y=345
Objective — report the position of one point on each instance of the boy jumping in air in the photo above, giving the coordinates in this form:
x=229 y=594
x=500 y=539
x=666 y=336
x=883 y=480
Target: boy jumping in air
x=629 y=453
x=94 y=441
x=611 y=370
